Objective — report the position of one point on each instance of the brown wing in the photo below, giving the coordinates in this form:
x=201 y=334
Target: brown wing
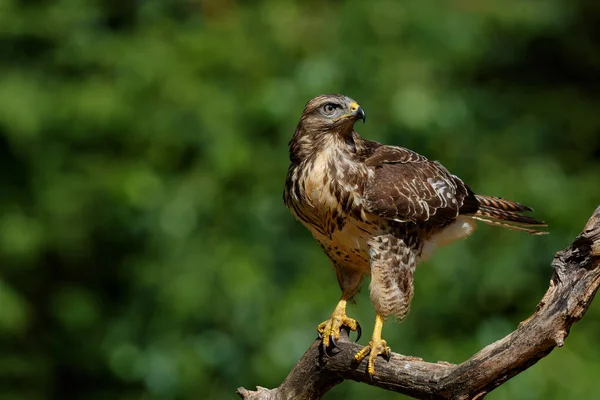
x=405 y=186
x=392 y=155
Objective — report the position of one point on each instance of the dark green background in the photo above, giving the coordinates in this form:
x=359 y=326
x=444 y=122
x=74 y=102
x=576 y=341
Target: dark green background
x=145 y=251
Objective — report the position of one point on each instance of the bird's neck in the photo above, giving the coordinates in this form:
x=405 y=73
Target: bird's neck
x=305 y=147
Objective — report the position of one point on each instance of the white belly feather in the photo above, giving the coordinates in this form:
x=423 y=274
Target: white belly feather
x=462 y=227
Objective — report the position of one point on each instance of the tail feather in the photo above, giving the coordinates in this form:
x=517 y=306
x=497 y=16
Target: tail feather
x=501 y=204
x=507 y=214
x=512 y=227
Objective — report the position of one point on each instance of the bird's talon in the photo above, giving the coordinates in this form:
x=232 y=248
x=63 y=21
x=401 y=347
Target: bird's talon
x=373 y=349
x=358 y=357
x=333 y=341
x=358 y=332
x=387 y=354
x=329 y=331
x=370 y=375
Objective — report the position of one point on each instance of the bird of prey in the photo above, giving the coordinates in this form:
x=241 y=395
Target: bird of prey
x=378 y=210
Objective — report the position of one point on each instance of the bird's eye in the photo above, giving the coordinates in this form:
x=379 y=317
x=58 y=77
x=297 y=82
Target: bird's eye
x=329 y=108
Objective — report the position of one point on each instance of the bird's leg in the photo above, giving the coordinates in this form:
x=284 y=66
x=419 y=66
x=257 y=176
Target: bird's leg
x=375 y=347
x=329 y=330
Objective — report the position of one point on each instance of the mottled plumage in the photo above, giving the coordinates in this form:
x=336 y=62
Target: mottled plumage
x=377 y=210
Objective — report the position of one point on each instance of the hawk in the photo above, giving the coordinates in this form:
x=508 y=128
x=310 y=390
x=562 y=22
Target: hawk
x=378 y=210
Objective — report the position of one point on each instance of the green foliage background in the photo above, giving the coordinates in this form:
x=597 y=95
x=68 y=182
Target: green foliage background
x=144 y=248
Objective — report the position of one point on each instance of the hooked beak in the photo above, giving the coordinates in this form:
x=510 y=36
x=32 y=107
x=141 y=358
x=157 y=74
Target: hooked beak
x=360 y=114
x=357 y=112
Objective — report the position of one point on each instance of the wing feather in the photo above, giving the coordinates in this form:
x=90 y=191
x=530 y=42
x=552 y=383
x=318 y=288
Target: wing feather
x=406 y=186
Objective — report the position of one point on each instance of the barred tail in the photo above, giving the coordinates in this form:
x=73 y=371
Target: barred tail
x=501 y=204
x=507 y=214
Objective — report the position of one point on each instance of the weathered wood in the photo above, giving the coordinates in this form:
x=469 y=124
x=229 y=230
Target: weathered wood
x=574 y=283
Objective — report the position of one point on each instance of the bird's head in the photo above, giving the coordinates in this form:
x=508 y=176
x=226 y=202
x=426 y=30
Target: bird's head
x=329 y=116
x=335 y=113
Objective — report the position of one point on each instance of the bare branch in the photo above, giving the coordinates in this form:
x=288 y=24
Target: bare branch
x=573 y=285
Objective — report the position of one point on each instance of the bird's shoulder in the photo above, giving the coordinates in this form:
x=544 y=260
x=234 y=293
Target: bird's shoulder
x=383 y=154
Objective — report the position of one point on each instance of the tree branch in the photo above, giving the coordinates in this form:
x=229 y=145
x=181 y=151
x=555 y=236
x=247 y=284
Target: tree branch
x=573 y=285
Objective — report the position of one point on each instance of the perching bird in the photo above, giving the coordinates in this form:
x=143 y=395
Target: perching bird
x=378 y=210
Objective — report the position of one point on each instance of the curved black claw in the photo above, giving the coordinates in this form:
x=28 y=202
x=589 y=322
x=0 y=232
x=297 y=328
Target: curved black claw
x=323 y=348
x=358 y=332
x=333 y=342
x=370 y=375
x=387 y=355
x=319 y=335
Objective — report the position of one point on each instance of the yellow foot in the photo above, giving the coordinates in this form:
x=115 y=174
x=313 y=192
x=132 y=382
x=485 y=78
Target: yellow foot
x=373 y=349
x=329 y=331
